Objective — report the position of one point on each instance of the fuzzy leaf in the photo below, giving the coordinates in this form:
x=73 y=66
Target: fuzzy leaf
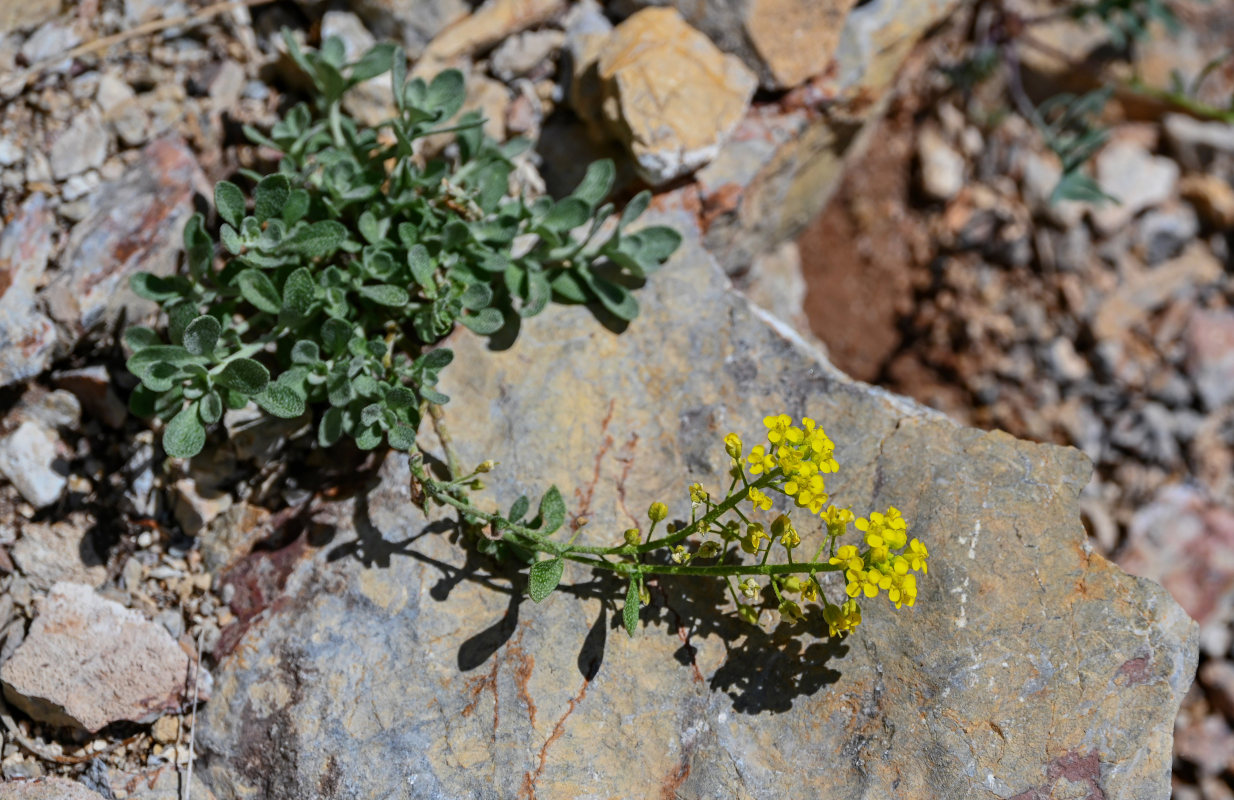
x=629 y=614
x=401 y=436
x=519 y=509
x=244 y=375
x=421 y=265
x=331 y=428
x=229 y=201
x=566 y=215
x=280 y=401
x=201 y=335
x=184 y=436
x=543 y=578
x=373 y=63
x=446 y=94
x=385 y=294
x=485 y=321
x=634 y=209
x=256 y=288
x=317 y=240
x=552 y=510
x=270 y=196
x=597 y=183
x=211 y=408
x=368 y=437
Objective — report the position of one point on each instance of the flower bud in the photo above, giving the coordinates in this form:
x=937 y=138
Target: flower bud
x=680 y=555
x=633 y=536
x=732 y=446
x=792 y=584
x=748 y=613
x=486 y=465
x=709 y=550
x=791 y=611
x=657 y=512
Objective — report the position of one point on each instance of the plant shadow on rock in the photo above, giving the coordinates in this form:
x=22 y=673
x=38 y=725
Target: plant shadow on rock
x=763 y=671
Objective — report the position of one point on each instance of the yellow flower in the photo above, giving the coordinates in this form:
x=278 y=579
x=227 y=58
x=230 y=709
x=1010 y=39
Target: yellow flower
x=698 y=495
x=884 y=533
x=759 y=500
x=760 y=460
x=837 y=520
x=732 y=446
x=902 y=590
x=755 y=534
x=680 y=555
x=809 y=591
x=783 y=528
x=843 y=618
x=849 y=557
x=917 y=555
x=780 y=430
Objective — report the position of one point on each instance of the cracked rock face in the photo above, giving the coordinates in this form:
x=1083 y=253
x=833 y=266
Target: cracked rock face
x=385 y=662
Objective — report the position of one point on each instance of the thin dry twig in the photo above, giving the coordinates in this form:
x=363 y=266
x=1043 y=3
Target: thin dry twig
x=188 y=783
x=155 y=26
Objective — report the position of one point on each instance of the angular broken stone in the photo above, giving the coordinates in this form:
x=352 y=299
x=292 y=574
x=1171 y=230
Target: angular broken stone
x=785 y=42
x=1029 y=664
x=668 y=94
x=60 y=551
x=1210 y=356
x=88 y=662
x=135 y=223
x=28 y=459
x=27 y=336
x=49 y=788
x=82 y=146
x=412 y=22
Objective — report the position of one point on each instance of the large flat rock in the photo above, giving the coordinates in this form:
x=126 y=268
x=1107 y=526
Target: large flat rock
x=387 y=663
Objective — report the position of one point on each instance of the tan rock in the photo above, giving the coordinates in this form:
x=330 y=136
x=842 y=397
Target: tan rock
x=88 y=662
x=50 y=788
x=15 y=16
x=491 y=23
x=669 y=94
x=61 y=551
x=1212 y=197
x=1147 y=291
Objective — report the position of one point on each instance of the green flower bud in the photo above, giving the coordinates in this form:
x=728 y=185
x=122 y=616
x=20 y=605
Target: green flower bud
x=486 y=465
x=748 y=613
x=633 y=537
x=657 y=512
x=792 y=584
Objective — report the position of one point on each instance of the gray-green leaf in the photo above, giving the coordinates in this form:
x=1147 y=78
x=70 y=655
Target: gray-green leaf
x=280 y=401
x=184 y=436
x=229 y=201
x=543 y=578
x=629 y=614
x=201 y=335
x=256 y=288
x=270 y=196
x=552 y=510
x=385 y=294
x=244 y=375
x=485 y=321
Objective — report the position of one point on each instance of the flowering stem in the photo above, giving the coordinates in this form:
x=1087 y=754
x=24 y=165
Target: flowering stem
x=719 y=510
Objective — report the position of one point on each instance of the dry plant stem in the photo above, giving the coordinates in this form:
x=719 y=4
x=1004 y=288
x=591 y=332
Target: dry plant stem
x=443 y=435
x=188 y=782
x=598 y=557
x=144 y=29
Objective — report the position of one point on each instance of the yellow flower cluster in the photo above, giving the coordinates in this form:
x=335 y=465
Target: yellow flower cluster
x=794 y=461
x=802 y=454
x=881 y=567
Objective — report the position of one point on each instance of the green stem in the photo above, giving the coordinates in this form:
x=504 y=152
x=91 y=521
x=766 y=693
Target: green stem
x=719 y=510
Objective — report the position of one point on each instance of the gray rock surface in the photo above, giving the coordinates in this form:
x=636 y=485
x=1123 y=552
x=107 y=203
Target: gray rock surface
x=51 y=788
x=384 y=657
x=135 y=223
x=61 y=551
x=88 y=662
x=28 y=459
x=27 y=336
